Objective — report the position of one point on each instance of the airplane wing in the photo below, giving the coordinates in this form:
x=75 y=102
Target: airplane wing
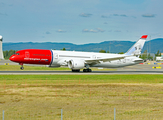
x=90 y=61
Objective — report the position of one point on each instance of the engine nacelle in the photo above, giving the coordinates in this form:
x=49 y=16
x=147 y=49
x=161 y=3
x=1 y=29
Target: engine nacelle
x=76 y=64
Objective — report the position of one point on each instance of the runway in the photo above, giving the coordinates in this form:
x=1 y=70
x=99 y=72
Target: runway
x=77 y=73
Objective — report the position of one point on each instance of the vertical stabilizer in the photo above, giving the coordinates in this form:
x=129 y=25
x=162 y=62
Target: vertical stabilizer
x=1 y=51
x=137 y=47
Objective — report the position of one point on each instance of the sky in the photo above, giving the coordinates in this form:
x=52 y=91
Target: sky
x=80 y=21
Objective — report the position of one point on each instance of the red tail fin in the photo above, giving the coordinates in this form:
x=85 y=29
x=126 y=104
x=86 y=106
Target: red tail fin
x=144 y=36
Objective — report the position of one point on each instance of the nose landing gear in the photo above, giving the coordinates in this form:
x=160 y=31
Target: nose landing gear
x=22 y=68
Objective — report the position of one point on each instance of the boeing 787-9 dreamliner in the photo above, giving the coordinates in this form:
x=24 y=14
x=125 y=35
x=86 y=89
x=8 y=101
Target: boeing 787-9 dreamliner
x=80 y=60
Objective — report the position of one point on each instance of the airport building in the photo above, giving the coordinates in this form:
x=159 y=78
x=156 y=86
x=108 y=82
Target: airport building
x=160 y=59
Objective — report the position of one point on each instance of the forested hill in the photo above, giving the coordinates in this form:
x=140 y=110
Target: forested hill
x=112 y=46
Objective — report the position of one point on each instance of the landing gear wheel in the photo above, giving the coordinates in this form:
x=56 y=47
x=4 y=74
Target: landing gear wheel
x=75 y=70
x=87 y=70
x=22 y=68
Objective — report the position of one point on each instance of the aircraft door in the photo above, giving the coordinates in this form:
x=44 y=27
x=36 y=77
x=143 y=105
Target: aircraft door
x=124 y=60
x=94 y=57
x=27 y=55
x=55 y=56
x=119 y=61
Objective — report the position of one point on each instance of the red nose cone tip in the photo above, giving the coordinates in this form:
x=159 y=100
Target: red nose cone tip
x=11 y=58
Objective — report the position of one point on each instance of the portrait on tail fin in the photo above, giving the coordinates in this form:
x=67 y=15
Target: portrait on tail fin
x=136 y=49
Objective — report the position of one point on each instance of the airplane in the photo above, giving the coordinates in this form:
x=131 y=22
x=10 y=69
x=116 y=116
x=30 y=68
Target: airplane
x=80 y=60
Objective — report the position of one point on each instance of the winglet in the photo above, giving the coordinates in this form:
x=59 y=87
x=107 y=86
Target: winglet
x=144 y=36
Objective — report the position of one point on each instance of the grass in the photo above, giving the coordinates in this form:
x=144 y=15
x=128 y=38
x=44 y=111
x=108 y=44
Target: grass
x=88 y=97
x=28 y=68
x=89 y=79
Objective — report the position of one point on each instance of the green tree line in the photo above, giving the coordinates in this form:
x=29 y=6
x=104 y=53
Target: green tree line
x=7 y=54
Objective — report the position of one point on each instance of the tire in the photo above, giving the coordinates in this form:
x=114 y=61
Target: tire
x=22 y=68
x=75 y=70
x=87 y=70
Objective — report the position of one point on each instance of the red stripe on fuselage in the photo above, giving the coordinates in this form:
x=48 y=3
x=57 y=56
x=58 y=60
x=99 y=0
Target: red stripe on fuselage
x=33 y=56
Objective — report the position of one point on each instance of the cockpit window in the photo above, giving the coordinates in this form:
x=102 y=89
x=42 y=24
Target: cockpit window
x=17 y=53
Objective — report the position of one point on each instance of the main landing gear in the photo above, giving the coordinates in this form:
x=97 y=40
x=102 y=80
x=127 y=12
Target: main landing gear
x=84 y=70
x=75 y=70
x=87 y=70
x=22 y=68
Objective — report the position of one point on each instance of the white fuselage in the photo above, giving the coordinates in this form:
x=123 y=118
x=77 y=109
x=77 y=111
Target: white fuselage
x=61 y=58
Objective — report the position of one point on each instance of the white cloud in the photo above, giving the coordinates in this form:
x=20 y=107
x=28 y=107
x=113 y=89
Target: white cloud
x=85 y=15
x=121 y=15
x=93 y=30
x=61 y=31
x=116 y=15
x=149 y=15
x=85 y=30
x=100 y=30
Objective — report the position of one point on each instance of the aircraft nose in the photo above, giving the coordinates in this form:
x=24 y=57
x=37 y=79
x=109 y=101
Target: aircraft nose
x=12 y=58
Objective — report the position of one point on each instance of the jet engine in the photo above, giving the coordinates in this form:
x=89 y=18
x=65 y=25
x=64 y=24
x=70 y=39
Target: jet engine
x=76 y=64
